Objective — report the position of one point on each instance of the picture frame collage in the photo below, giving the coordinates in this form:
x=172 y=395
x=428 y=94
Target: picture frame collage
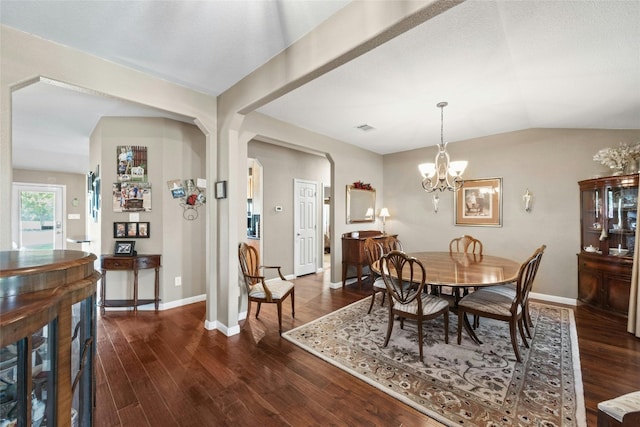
x=131 y=230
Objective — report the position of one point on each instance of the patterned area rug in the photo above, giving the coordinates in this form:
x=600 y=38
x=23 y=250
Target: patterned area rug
x=461 y=385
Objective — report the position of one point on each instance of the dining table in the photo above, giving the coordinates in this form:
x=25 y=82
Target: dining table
x=462 y=271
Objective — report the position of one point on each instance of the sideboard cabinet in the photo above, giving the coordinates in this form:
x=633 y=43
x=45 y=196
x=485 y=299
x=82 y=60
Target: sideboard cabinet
x=608 y=219
x=47 y=338
x=353 y=253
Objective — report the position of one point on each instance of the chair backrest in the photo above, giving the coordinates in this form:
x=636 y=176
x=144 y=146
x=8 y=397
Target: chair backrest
x=527 y=275
x=403 y=276
x=466 y=244
x=249 y=264
x=375 y=248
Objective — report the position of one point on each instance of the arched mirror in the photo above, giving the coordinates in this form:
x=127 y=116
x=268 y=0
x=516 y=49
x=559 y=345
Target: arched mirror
x=361 y=205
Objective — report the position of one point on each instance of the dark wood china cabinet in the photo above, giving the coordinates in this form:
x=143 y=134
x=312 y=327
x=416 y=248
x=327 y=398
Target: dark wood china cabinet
x=47 y=338
x=608 y=220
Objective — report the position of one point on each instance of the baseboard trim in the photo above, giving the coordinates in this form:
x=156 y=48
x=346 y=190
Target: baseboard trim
x=553 y=298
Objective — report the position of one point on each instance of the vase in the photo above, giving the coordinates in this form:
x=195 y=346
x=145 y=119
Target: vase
x=632 y=166
x=618 y=171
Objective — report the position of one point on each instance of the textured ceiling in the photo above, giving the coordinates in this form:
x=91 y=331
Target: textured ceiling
x=501 y=65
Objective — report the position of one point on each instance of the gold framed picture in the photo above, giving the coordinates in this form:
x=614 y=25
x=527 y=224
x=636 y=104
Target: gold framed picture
x=479 y=203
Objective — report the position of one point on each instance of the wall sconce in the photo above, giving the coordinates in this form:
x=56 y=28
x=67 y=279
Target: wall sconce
x=384 y=213
x=527 y=198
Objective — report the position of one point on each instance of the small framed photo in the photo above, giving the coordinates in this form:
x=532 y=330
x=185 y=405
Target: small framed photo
x=132 y=229
x=178 y=192
x=479 y=203
x=143 y=230
x=221 y=190
x=124 y=248
x=119 y=229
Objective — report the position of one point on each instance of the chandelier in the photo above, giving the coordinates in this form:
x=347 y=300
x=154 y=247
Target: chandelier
x=443 y=174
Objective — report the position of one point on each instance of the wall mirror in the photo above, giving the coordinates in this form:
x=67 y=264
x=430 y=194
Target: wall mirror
x=361 y=205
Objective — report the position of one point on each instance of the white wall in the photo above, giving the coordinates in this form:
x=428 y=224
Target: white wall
x=549 y=162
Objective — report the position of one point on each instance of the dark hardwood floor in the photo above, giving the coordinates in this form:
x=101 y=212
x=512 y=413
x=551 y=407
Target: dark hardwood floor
x=165 y=369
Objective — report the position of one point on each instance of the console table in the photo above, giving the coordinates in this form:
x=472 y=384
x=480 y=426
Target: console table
x=129 y=263
x=353 y=252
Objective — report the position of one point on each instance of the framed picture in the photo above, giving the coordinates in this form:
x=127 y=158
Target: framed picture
x=221 y=189
x=143 y=230
x=134 y=230
x=479 y=203
x=124 y=248
x=119 y=229
x=131 y=196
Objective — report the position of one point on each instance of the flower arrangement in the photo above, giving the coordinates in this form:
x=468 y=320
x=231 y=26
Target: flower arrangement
x=617 y=158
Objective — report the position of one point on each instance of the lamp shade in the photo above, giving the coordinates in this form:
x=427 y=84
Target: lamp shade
x=427 y=169
x=384 y=212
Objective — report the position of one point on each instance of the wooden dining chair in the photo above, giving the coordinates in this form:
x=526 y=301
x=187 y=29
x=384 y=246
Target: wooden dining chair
x=510 y=289
x=275 y=292
x=404 y=277
x=502 y=304
x=466 y=244
x=373 y=250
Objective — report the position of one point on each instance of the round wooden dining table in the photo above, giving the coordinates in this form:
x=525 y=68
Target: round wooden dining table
x=462 y=270
x=465 y=270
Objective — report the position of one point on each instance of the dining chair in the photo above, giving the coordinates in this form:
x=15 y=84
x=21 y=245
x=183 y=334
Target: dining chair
x=502 y=304
x=404 y=277
x=468 y=245
x=373 y=250
x=510 y=289
x=275 y=292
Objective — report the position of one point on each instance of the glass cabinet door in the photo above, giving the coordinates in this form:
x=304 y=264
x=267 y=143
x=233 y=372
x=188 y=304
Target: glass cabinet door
x=35 y=356
x=592 y=218
x=622 y=204
x=82 y=349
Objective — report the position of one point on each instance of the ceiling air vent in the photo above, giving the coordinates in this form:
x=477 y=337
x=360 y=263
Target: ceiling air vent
x=365 y=127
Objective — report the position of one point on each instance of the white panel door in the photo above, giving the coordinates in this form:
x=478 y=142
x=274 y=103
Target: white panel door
x=305 y=227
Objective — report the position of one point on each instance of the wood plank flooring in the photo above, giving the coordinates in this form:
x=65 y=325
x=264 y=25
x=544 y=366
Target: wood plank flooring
x=165 y=369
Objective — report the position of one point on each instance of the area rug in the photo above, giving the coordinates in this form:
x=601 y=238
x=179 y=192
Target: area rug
x=459 y=385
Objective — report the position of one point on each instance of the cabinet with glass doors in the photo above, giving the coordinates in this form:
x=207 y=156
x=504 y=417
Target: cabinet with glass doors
x=608 y=219
x=47 y=344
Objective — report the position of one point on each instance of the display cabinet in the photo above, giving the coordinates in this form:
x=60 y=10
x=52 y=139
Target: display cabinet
x=47 y=338
x=608 y=218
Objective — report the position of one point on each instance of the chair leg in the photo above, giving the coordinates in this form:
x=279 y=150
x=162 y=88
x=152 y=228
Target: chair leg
x=279 y=304
x=521 y=327
x=527 y=319
x=420 y=339
x=514 y=339
x=373 y=299
x=446 y=326
x=460 y=314
x=389 y=328
x=258 y=309
x=293 y=308
x=384 y=294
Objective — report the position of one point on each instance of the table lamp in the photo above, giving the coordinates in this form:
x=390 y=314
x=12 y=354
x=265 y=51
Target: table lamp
x=384 y=213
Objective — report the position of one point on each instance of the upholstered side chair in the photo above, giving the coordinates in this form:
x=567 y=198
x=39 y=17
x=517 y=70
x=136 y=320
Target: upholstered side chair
x=259 y=290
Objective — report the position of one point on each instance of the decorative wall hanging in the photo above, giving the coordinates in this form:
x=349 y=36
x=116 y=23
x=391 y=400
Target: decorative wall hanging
x=132 y=163
x=93 y=189
x=131 y=197
x=190 y=195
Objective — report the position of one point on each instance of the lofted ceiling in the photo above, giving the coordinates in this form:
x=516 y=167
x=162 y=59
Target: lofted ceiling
x=501 y=65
